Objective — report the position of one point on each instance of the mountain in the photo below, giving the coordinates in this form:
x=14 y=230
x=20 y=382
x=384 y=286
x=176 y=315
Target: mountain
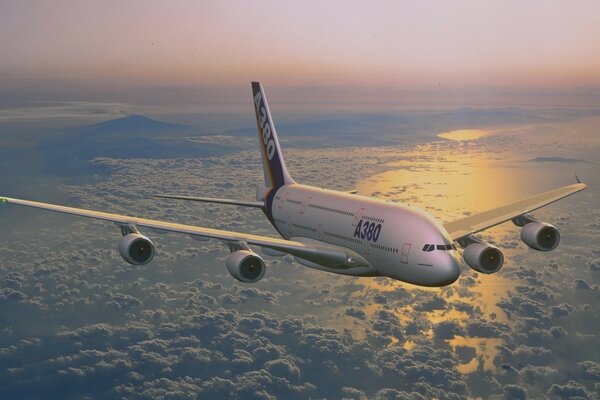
x=557 y=160
x=133 y=136
x=132 y=124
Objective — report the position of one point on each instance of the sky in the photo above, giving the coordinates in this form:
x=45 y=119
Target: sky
x=420 y=44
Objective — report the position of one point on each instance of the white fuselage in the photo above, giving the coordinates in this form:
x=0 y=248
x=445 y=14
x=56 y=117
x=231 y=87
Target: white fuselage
x=391 y=236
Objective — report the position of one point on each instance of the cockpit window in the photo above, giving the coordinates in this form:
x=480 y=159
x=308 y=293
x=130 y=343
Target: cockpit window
x=444 y=247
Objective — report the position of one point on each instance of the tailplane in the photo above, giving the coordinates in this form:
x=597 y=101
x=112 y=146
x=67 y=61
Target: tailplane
x=275 y=171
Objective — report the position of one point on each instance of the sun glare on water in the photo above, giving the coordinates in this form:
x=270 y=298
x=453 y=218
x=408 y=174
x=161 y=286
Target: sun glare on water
x=464 y=134
x=451 y=179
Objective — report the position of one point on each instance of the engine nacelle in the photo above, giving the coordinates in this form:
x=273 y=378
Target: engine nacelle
x=540 y=236
x=245 y=266
x=483 y=257
x=136 y=249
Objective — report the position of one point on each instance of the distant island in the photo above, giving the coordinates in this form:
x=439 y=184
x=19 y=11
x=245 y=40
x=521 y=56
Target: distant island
x=557 y=160
x=132 y=123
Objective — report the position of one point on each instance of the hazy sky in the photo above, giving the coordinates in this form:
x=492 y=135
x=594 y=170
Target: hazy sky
x=378 y=43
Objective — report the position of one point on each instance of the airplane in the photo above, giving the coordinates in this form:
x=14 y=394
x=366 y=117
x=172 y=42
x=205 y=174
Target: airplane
x=340 y=232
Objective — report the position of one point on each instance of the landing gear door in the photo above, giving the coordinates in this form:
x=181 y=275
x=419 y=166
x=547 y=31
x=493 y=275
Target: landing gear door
x=358 y=216
x=366 y=249
x=283 y=200
x=404 y=253
x=304 y=205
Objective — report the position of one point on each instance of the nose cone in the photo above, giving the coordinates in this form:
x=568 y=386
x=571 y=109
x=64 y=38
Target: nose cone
x=449 y=268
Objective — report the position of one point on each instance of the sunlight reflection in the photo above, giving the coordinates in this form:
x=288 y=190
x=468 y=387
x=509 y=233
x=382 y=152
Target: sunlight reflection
x=486 y=350
x=451 y=179
x=464 y=134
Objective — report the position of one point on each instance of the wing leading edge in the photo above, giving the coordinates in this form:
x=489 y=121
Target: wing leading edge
x=478 y=222
x=327 y=255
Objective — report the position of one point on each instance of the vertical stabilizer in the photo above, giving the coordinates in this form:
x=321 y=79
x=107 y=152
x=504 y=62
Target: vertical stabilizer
x=276 y=174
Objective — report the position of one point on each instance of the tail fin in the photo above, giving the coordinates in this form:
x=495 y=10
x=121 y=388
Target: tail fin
x=276 y=174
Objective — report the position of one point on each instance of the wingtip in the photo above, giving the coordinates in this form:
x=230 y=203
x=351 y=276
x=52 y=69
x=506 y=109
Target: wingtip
x=581 y=183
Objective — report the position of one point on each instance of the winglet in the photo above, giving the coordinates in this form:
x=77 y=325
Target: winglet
x=578 y=180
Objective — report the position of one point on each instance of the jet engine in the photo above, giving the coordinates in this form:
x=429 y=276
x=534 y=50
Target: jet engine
x=136 y=249
x=540 y=236
x=483 y=257
x=245 y=266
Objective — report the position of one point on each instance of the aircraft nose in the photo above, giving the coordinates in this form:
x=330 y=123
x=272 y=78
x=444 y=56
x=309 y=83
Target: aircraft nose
x=449 y=268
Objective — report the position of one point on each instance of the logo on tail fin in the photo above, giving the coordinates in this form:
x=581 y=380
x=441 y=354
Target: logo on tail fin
x=264 y=125
x=276 y=174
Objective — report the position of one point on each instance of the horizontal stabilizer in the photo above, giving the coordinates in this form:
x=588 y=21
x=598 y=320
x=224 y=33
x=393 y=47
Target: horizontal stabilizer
x=243 y=203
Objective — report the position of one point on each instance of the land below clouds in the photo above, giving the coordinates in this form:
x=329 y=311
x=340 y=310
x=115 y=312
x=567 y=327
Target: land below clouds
x=80 y=319
x=28 y=148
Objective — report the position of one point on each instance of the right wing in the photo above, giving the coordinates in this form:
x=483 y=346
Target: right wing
x=323 y=254
x=479 y=222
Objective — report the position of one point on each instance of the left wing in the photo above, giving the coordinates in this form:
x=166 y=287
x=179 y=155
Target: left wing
x=323 y=254
x=479 y=222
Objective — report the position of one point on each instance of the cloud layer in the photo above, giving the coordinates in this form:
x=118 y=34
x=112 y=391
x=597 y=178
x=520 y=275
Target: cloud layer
x=76 y=321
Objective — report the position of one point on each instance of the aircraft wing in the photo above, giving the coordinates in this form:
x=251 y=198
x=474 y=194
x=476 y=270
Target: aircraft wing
x=478 y=222
x=324 y=254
